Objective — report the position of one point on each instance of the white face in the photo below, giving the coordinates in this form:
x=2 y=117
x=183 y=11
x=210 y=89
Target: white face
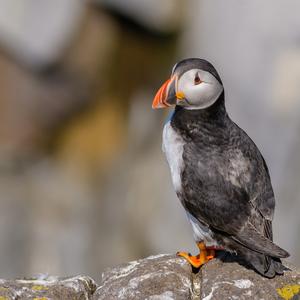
x=199 y=89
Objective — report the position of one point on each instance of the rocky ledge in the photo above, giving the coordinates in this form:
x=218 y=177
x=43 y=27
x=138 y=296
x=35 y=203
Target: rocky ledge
x=163 y=277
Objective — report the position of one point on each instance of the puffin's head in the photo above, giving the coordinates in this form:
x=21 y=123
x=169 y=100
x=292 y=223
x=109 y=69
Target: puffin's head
x=194 y=84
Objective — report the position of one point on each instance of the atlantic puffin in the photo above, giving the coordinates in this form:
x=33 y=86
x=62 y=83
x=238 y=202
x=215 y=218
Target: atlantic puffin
x=218 y=173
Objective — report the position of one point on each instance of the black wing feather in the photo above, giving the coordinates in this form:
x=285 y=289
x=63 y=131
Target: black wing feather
x=243 y=210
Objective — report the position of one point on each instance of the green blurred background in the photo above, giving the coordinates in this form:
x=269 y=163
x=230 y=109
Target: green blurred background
x=83 y=182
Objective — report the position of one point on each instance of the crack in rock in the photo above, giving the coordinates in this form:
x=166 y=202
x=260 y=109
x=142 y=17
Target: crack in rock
x=160 y=277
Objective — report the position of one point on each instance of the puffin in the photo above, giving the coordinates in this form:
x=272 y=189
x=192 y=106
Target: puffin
x=218 y=173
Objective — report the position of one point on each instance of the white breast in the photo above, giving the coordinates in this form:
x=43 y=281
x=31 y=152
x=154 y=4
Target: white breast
x=201 y=232
x=173 y=148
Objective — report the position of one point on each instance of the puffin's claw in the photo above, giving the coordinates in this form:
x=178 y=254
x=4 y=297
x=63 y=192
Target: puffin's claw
x=203 y=257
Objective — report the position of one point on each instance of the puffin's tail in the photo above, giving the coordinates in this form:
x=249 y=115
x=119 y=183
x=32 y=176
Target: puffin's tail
x=276 y=267
x=266 y=265
x=252 y=239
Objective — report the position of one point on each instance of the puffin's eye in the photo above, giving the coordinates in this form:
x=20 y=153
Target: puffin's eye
x=197 y=79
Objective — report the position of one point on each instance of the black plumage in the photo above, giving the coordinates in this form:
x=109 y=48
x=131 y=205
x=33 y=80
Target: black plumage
x=225 y=182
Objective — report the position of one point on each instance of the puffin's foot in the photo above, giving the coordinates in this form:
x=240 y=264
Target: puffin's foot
x=203 y=257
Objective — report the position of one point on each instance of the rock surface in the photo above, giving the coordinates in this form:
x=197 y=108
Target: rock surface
x=163 y=277
x=155 y=277
x=169 y=277
x=228 y=279
x=79 y=288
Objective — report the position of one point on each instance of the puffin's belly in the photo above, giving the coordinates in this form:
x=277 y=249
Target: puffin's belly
x=173 y=149
x=201 y=232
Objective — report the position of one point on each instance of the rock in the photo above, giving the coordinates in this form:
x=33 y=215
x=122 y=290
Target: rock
x=162 y=277
x=79 y=287
x=169 y=277
x=32 y=42
x=228 y=279
x=155 y=277
x=161 y=16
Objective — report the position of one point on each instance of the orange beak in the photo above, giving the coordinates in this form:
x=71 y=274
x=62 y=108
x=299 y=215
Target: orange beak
x=166 y=95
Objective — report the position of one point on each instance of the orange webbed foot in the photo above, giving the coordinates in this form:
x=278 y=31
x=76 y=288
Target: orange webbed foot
x=202 y=258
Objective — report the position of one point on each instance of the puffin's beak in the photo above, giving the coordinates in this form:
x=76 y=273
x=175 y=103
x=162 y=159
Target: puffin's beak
x=166 y=95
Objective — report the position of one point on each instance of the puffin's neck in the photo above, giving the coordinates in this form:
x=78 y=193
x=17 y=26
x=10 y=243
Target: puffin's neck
x=209 y=119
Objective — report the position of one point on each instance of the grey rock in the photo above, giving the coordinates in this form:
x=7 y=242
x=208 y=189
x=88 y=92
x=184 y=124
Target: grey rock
x=161 y=277
x=169 y=277
x=229 y=279
x=155 y=277
x=79 y=287
x=156 y=15
x=32 y=42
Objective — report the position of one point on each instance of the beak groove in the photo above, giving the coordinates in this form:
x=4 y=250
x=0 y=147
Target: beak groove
x=166 y=95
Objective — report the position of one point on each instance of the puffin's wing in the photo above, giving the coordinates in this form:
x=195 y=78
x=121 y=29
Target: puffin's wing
x=229 y=210
x=265 y=203
x=227 y=217
x=252 y=239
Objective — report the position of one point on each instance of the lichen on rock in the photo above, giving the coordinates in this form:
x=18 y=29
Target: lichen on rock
x=79 y=287
x=161 y=277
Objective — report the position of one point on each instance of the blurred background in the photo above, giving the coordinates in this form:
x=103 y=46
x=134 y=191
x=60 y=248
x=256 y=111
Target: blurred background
x=83 y=182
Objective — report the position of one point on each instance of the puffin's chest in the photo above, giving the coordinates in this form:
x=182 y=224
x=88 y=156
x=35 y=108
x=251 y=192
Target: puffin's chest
x=173 y=148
